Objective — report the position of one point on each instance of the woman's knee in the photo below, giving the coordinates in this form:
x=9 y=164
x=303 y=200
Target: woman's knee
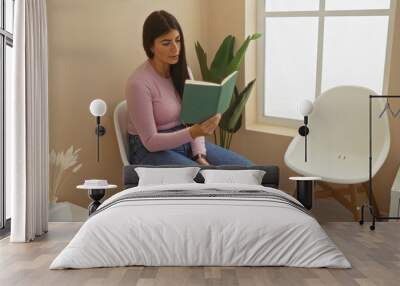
x=218 y=155
x=167 y=158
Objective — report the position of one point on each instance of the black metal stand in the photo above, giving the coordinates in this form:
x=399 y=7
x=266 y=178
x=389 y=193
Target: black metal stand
x=96 y=195
x=369 y=204
x=304 y=192
x=100 y=131
x=303 y=131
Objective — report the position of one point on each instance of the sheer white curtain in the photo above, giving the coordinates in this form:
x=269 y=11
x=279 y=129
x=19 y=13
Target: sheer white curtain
x=27 y=124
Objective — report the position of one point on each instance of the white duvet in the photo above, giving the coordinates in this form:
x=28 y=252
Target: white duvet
x=200 y=231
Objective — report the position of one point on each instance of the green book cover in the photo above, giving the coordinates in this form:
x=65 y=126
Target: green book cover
x=202 y=99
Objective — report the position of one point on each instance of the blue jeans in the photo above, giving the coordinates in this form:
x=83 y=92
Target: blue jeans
x=181 y=155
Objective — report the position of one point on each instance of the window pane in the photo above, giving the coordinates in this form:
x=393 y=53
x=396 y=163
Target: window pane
x=8 y=89
x=354 y=51
x=9 y=15
x=290 y=64
x=291 y=5
x=356 y=4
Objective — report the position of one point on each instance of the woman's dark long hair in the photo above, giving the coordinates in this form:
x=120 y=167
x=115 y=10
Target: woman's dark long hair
x=159 y=23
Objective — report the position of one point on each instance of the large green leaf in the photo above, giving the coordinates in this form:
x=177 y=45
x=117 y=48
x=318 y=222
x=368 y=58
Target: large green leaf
x=223 y=57
x=241 y=103
x=235 y=128
x=202 y=58
x=238 y=124
x=224 y=122
x=229 y=120
x=236 y=93
x=234 y=65
x=208 y=75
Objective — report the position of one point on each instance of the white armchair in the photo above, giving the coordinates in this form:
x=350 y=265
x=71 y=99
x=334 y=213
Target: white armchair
x=338 y=142
x=121 y=130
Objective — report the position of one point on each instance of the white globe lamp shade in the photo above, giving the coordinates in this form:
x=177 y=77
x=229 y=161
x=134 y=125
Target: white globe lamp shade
x=305 y=107
x=98 y=107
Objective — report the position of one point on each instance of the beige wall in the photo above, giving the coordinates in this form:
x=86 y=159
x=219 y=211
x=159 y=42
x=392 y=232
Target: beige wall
x=95 y=44
x=93 y=47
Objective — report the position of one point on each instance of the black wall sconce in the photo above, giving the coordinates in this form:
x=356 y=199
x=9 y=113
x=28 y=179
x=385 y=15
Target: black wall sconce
x=98 y=108
x=305 y=108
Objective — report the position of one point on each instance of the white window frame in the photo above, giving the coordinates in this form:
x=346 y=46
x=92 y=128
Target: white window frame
x=6 y=39
x=321 y=14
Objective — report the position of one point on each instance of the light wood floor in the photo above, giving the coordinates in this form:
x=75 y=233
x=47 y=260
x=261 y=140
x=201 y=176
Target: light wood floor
x=375 y=257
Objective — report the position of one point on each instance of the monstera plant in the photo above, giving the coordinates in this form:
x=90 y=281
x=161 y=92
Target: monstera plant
x=224 y=63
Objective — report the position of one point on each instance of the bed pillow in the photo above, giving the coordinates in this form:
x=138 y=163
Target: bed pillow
x=162 y=176
x=249 y=177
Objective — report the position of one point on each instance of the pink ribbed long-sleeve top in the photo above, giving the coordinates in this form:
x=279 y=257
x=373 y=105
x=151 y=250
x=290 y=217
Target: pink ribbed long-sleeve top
x=154 y=104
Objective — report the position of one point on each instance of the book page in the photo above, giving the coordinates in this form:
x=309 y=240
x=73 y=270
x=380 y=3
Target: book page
x=228 y=77
x=199 y=82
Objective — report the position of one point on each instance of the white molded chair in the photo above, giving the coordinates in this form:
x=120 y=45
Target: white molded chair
x=121 y=130
x=338 y=142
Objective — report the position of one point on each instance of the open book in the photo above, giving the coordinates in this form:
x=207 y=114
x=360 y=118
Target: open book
x=202 y=99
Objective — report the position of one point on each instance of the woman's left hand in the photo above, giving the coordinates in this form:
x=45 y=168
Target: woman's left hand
x=202 y=161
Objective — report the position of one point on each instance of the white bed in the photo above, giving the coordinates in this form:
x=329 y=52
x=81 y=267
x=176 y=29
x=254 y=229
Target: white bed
x=189 y=230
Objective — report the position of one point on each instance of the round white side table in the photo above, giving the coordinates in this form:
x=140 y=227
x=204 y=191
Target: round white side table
x=96 y=193
x=304 y=190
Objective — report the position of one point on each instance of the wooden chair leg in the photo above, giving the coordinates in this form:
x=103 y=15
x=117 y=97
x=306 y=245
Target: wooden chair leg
x=324 y=190
x=352 y=203
x=355 y=202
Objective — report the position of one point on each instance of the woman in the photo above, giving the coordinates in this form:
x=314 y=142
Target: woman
x=154 y=94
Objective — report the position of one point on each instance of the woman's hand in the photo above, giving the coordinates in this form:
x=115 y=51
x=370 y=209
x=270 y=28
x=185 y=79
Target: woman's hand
x=206 y=127
x=202 y=161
